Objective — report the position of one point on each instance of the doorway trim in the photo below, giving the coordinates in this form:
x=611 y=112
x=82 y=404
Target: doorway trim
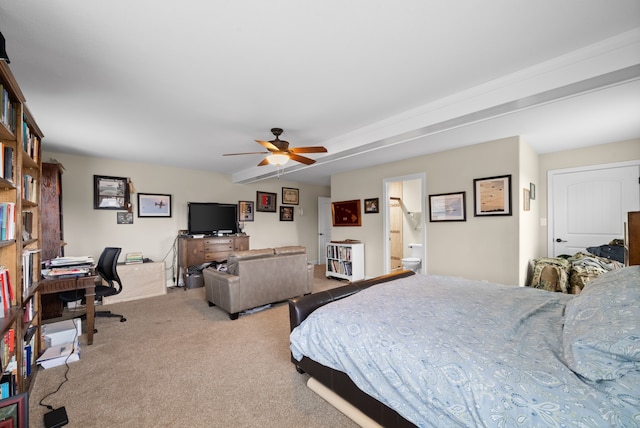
x=386 y=213
x=551 y=174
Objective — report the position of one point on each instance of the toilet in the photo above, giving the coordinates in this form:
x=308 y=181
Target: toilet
x=414 y=261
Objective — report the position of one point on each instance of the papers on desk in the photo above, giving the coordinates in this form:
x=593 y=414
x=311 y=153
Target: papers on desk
x=69 y=267
x=59 y=355
x=72 y=261
x=65 y=272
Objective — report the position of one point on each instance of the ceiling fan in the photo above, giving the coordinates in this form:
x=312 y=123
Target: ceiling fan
x=279 y=151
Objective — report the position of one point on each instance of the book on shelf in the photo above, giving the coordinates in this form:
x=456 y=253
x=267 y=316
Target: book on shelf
x=7 y=163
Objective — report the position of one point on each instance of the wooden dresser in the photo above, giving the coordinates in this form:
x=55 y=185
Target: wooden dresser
x=196 y=251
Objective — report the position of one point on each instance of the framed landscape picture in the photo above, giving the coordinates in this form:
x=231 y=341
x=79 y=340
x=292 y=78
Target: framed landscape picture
x=447 y=207
x=492 y=196
x=266 y=201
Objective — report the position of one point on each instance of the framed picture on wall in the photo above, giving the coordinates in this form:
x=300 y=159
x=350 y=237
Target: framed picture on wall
x=245 y=211
x=371 y=206
x=290 y=196
x=286 y=213
x=492 y=196
x=110 y=193
x=448 y=207
x=346 y=213
x=154 y=205
x=266 y=201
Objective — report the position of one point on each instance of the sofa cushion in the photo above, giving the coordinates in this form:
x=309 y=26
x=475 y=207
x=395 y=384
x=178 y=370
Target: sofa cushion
x=293 y=249
x=235 y=257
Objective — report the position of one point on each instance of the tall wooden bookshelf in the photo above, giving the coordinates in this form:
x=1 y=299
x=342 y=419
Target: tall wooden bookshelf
x=19 y=234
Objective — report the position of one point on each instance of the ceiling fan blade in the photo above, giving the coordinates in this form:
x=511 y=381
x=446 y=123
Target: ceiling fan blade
x=301 y=159
x=310 y=149
x=264 y=162
x=247 y=153
x=268 y=145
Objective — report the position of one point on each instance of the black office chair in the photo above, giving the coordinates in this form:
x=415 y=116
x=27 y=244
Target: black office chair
x=106 y=268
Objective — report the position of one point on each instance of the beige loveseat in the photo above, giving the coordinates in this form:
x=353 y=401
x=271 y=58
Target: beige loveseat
x=258 y=277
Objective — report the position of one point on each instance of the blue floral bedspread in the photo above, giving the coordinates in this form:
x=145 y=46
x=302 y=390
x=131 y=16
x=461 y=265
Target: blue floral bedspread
x=446 y=351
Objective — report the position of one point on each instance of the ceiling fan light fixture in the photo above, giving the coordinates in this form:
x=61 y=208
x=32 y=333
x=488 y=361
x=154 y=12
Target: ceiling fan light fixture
x=278 y=159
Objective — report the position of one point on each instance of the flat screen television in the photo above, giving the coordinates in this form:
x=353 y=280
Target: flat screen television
x=209 y=218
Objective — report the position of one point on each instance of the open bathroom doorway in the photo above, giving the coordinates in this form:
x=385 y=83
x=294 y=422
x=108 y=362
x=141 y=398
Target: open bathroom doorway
x=404 y=223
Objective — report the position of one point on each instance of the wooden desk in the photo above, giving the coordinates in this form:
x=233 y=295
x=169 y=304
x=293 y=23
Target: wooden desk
x=88 y=283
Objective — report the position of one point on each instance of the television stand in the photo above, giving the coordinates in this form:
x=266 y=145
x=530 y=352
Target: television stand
x=194 y=251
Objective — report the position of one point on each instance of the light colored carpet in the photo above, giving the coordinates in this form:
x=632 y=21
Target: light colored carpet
x=177 y=362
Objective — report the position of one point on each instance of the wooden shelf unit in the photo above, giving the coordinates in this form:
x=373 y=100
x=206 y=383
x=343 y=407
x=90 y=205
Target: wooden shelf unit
x=20 y=253
x=345 y=261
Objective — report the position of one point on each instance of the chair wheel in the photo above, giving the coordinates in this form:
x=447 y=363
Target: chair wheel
x=123 y=319
x=95 y=330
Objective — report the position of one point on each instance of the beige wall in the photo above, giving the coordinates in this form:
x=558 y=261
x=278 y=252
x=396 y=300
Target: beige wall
x=87 y=231
x=488 y=248
x=597 y=155
x=482 y=248
x=529 y=220
x=497 y=249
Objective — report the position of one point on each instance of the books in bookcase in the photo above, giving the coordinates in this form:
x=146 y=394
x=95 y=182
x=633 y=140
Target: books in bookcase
x=8 y=110
x=7 y=221
x=7 y=295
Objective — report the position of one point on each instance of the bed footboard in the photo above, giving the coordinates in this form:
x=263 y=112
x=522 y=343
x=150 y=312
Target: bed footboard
x=338 y=382
x=301 y=307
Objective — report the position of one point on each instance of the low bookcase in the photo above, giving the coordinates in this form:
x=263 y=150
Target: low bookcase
x=345 y=261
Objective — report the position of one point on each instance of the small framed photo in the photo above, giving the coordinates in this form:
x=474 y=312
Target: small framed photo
x=526 y=199
x=532 y=191
x=245 y=211
x=110 y=193
x=492 y=196
x=266 y=201
x=290 y=196
x=371 y=206
x=346 y=213
x=154 y=205
x=286 y=213
x=14 y=411
x=124 y=217
x=448 y=207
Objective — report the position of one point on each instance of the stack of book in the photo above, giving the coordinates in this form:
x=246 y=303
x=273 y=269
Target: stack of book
x=133 y=258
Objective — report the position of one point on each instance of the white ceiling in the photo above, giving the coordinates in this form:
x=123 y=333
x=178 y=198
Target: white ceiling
x=180 y=83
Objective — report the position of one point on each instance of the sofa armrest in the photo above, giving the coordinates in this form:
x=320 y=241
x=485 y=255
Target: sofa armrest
x=220 y=288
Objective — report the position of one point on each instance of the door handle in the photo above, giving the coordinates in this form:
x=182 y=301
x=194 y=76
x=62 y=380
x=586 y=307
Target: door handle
x=560 y=240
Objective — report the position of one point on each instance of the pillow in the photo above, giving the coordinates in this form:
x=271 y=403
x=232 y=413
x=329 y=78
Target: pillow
x=601 y=334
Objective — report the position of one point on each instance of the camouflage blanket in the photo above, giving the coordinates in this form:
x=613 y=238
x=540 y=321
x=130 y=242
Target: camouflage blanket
x=569 y=275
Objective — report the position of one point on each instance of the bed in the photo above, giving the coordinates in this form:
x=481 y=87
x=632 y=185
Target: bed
x=427 y=350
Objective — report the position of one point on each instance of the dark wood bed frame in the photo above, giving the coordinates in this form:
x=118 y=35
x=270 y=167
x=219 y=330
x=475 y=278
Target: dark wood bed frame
x=336 y=381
